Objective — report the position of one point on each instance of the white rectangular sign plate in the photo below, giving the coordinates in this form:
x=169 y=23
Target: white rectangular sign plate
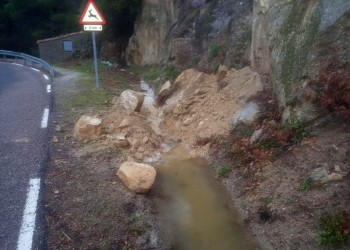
x=93 y=27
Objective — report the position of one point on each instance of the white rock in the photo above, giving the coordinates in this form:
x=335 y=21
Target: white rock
x=88 y=127
x=246 y=115
x=256 y=135
x=137 y=177
x=166 y=86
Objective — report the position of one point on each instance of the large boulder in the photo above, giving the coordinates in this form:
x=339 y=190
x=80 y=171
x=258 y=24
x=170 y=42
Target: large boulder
x=88 y=127
x=132 y=100
x=137 y=177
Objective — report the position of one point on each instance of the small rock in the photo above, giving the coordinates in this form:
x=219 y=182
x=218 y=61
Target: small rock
x=199 y=92
x=200 y=124
x=137 y=176
x=140 y=150
x=256 y=135
x=222 y=72
x=139 y=156
x=145 y=140
x=125 y=123
x=136 y=143
x=54 y=139
x=177 y=110
x=58 y=128
x=118 y=141
x=166 y=86
x=326 y=174
x=187 y=121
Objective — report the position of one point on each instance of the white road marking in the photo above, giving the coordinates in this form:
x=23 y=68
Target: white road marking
x=46 y=77
x=25 y=239
x=17 y=64
x=48 y=88
x=45 y=118
x=35 y=69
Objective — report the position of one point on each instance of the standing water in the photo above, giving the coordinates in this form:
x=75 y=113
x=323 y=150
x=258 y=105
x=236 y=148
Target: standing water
x=196 y=213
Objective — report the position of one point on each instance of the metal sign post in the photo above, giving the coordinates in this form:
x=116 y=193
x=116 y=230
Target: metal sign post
x=95 y=59
x=93 y=20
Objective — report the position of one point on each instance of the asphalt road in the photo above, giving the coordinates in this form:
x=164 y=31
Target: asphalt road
x=23 y=154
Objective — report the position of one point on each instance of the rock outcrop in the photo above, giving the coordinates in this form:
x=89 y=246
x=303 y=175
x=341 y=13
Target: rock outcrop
x=150 y=42
x=287 y=40
x=136 y=176
x=181 y=31
x=88 y=127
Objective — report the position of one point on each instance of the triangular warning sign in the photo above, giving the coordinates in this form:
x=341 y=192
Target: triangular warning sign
x=92 y=15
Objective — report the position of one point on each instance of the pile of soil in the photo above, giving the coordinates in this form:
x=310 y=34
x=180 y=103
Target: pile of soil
x=204 y=105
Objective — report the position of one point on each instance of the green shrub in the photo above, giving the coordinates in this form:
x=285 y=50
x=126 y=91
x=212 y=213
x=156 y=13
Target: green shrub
x=215 y=50
x=223 y=171
x=306 y=184
x=269 y=143
x=298 y=129
x=333 y=229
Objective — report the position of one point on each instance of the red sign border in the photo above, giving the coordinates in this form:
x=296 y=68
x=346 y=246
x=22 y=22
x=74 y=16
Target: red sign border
x=98 y=12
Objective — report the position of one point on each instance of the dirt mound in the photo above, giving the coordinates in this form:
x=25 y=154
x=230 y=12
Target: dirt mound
x=204 y=105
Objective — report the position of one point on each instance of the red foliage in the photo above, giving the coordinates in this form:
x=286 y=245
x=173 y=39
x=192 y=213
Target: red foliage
x=334 y=83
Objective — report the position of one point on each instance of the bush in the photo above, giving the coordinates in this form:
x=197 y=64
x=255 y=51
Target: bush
x=297 y=129
x=334 y=229
x=334 y=87
x=223 y=171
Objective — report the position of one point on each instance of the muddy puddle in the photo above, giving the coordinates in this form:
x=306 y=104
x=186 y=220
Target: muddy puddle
x=196 y=211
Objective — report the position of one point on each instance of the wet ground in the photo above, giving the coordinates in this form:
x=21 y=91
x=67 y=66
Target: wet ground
x=196 y=209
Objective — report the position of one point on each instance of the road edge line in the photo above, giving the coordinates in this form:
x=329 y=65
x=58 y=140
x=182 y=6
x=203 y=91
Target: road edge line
x=25 y=239
x=45 y=118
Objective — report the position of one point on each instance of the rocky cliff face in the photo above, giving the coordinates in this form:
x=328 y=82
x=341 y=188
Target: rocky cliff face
x=281 y=39
x=151 y=40
x=284 y=37
x=192 y=33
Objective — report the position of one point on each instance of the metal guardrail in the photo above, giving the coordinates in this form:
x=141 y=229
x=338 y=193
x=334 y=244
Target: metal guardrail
x=34 y=60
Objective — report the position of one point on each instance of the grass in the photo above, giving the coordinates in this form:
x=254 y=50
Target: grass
x=223 y=171
x=269 y=201
x=269 y=143
x=155 y=75
x=214 y=51
x=298 y=128
x=87 y=96
x=306 y=184
x=333 y=229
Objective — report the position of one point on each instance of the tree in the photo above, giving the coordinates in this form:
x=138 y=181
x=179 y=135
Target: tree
x=120 y=15
x=22 y=23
